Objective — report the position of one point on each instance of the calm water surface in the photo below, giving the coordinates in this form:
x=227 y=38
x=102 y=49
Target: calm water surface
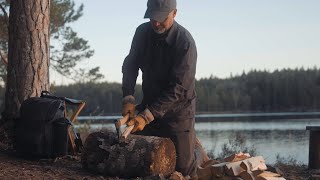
x=287 y=138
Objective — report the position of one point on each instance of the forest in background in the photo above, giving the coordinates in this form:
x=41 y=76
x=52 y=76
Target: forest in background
x=289 y=90
x=254 y=91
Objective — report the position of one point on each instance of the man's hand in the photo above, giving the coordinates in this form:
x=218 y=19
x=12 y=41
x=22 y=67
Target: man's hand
x=139 y=123
x=141 y=120
x=128 y=106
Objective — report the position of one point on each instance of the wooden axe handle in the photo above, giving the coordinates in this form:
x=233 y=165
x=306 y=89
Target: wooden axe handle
x=126 y=132
x=123 y=120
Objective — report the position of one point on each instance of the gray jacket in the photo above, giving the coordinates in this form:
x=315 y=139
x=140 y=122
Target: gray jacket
x=168 y=65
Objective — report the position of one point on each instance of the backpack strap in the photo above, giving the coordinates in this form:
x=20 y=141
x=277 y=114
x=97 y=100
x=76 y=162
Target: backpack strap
x=46 y=94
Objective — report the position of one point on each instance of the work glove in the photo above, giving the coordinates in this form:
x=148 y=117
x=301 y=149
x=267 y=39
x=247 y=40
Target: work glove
x=141 y=120
x=128 y=106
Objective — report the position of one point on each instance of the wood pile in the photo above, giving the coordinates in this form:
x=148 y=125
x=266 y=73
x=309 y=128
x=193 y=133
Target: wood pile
x=240 y=165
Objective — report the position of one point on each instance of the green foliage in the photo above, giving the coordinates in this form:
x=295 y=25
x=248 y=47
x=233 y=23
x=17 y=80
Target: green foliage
x=93 y=75
x=261 y=91
x=257 y=91
x=101 y=98
x=63 y=12
x=236 y=145
x=67 y=49
x=211 y=154
x=287 y=161
x=4 y=21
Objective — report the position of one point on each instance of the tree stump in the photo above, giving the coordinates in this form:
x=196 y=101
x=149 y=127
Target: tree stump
x=139 y=156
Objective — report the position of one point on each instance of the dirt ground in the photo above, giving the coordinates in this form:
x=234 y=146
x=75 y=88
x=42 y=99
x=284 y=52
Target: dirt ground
x=299 y=172
x=69 y=167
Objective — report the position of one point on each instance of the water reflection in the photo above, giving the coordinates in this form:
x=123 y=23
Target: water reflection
x=270 y=138
x=268 y=143
x=277 y=124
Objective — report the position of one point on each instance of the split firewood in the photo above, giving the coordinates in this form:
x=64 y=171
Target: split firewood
x=212 y=171
x=225 y=177
x=270 y=178
x=250 y=164
x=275 y=170
x=234 y=168
x=247 y=175
x=257 y=174
x=268 y=174
x=209 y=163
x=218 y=170
x=254 y=163
x=204 y=173
x=237 y=157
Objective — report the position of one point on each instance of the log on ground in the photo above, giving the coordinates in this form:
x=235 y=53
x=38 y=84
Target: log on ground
x=139 y=156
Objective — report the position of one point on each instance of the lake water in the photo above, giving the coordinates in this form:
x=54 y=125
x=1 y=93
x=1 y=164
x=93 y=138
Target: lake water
x=286 y=138
x=270 y=136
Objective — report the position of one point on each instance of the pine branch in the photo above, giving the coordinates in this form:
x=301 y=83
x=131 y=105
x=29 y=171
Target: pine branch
x=5 y=15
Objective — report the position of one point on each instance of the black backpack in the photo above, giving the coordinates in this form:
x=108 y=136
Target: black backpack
x=42 y=129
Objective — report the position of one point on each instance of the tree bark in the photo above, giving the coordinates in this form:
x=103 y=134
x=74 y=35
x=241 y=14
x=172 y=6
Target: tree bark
x=28 y=58
x=139 y=156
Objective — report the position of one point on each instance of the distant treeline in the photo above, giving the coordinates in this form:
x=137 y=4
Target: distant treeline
x=262 y=91
x=255 y=91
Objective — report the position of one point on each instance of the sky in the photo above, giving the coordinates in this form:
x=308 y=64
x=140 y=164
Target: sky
x=232 y=36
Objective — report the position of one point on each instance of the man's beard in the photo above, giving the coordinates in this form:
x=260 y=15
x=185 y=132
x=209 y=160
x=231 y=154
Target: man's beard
x=160 y=30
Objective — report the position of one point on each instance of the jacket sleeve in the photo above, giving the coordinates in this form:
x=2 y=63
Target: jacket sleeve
x=130 y=67
x=181 y=83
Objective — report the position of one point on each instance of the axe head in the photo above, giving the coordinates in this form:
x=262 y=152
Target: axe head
x=118 y=123
x=118 y=126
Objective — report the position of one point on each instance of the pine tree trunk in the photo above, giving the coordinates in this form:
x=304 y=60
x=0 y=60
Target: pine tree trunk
x=28 y=68
x=139 y=156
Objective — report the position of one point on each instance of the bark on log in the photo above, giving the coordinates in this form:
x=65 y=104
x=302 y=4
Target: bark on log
x=28 y=59
x=139 y=156
x=28 y=56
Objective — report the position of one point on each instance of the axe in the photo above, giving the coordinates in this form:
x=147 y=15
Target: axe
x=118 y=123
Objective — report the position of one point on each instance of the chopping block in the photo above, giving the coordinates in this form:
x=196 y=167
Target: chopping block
x=138 y=156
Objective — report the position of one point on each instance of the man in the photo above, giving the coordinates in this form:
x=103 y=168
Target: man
x=166 y=54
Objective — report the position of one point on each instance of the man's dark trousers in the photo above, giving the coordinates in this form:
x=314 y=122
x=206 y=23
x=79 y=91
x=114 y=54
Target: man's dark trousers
x=183 y=140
